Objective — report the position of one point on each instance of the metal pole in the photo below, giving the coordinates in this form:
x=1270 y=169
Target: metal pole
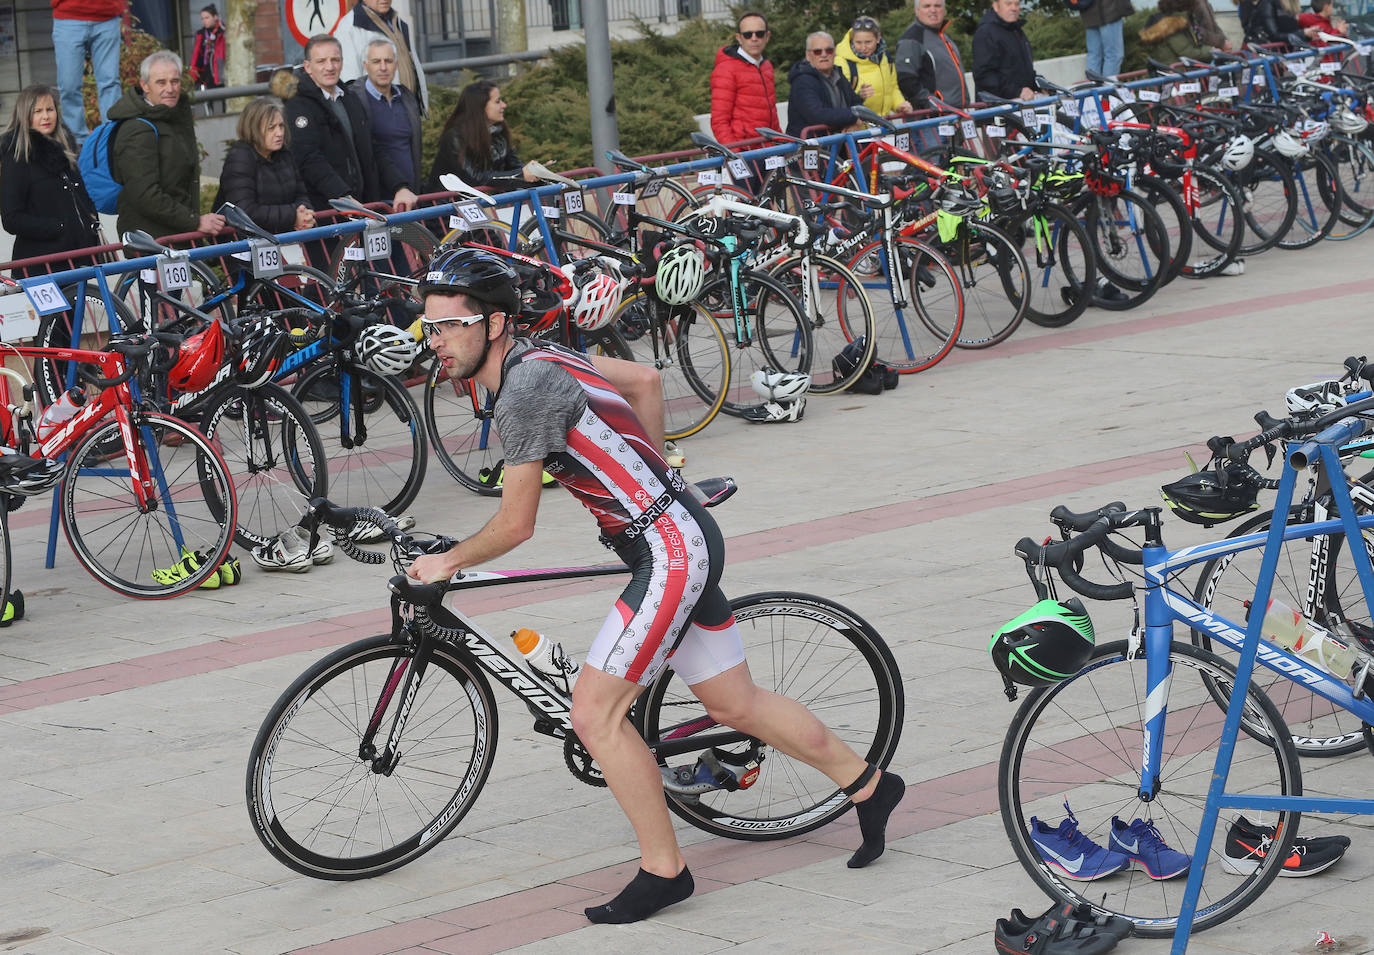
x=600 y=89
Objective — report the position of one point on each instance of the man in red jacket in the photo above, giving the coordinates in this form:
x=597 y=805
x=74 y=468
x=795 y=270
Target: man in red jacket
x=81 y=28
x=742 y=92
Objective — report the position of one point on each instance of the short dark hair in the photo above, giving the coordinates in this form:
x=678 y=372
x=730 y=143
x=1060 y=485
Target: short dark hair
x=210 y=9
x=1319 y=5
x=746 y=15
x=320 y=39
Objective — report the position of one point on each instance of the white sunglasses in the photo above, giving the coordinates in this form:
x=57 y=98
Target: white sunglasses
x=431 y=326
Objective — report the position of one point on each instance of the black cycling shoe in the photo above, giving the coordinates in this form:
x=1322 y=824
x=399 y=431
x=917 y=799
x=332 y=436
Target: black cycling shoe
x=1051 y=934
x=1106 y=924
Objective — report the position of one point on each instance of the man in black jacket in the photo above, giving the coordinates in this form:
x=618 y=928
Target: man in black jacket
x=1002 y=61
x=820 y=95
x=331 y=137
x=928 y=61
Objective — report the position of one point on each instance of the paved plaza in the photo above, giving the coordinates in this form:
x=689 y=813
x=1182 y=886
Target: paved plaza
x=126 y=725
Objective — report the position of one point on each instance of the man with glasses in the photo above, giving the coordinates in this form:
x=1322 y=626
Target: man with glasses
x=821 y=96
x=743 y=96
x=596 y=425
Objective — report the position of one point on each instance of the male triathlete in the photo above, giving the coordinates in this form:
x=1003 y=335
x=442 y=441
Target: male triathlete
x=596 y=425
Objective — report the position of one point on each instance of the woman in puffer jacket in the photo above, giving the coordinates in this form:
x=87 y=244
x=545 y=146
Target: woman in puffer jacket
x=863 y=59
x=1172 y=33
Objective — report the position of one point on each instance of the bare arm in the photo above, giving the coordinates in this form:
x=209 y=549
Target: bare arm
x=511 y=526
x=642 y=387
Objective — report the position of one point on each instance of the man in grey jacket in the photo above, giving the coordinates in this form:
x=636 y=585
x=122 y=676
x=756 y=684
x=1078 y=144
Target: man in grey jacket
x=928 y=61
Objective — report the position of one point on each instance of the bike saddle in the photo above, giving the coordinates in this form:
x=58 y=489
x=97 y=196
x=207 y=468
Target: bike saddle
x=713 y=491
x=140 y=241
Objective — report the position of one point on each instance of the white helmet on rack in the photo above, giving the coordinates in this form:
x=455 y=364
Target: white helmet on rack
x=597 y=301
x=1289 y=145
x=386 y=349
x=1312 y=130
x=1239 y=153
x=1345 y=120
x=681 y=275
x=1320 y=397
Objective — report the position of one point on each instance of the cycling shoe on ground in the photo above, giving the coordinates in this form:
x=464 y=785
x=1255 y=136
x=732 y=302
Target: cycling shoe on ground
x=1051 y=934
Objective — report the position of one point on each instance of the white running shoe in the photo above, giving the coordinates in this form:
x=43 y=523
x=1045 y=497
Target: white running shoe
x=673 y=455
x=285 y=552
x=1235 y=267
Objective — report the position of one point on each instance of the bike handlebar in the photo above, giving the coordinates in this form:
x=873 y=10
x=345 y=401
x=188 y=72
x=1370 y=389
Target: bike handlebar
x=1064 y=555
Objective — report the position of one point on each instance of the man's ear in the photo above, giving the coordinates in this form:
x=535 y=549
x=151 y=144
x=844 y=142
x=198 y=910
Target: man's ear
x=495 y=331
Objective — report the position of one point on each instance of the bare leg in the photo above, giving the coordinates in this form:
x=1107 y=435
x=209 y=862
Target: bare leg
x=734 y=699
x=600 y=702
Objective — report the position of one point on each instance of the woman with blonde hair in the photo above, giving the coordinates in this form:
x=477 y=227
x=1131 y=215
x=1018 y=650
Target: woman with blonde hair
x=43 y=202
x=863 y=59
x=259 y=174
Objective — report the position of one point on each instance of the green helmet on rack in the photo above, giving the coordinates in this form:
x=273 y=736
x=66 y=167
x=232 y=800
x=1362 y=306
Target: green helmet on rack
x=1047 y=644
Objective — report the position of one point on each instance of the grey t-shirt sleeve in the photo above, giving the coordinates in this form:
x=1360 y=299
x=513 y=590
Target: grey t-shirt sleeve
x=539 y=403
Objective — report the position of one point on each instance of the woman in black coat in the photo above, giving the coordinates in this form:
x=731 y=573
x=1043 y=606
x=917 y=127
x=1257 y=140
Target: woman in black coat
x=43 y=202
x=259 y=174
x=475 y=143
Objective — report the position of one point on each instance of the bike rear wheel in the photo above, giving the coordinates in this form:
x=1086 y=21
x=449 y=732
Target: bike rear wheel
x=461 y=432
x=995 y=281
x=816 y=652
x=687 y=346
x=1063 y=266
x=380 y=464
x=192 y=508
x=274 y=454
x=1080 y=742
x=840 y=314
x=316 y=803
x=918 y=305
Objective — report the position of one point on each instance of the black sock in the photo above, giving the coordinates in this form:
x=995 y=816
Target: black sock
x=645 y=895
x=873 y=814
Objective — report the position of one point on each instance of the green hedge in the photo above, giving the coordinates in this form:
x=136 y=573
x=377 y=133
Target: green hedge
x=661 y=82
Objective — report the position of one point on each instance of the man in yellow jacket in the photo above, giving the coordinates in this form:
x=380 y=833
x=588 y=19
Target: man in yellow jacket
x=863 y=59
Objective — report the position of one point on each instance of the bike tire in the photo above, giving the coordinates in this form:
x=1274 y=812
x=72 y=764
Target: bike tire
x=1063 y=266
x=995 y=281
x=1270 y=201
x=1319 y=727
x=319 y=808
x=779 y=333
x=274 y=454
x=121 y=544
x=1354 y=162
x=1165 y=200
x=1215 y=222
x=461 y=431
x=1320 y=198
x=1132 y=248
x=918 y=312
x=830 y=660
x=386 y=468
x=688 y=348
x=1081 y=740
x=840 y=314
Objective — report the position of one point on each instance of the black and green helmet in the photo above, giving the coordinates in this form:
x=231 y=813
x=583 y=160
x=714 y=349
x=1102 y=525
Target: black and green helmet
x=1048 y=643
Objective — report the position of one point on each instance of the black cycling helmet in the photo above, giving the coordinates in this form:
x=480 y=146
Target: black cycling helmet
x=263 y=344
x=481 y=276
x=1047 y=644
x=1212 y=496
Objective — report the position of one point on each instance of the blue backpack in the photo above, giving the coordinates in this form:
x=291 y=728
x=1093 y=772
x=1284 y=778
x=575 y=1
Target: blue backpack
x=94 y=162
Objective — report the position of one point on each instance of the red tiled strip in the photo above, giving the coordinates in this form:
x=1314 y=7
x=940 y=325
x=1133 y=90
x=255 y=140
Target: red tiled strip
x=336 y=631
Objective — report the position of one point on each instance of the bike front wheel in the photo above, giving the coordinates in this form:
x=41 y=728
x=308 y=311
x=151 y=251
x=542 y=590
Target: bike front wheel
x=190 y=508
x=1079 y=743
x=820 y=654
x=314 y=798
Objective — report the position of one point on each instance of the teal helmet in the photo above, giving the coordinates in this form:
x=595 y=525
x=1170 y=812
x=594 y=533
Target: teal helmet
x=1047 y=644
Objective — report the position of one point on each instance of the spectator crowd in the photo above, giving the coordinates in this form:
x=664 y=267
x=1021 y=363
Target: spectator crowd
x=347 y=122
